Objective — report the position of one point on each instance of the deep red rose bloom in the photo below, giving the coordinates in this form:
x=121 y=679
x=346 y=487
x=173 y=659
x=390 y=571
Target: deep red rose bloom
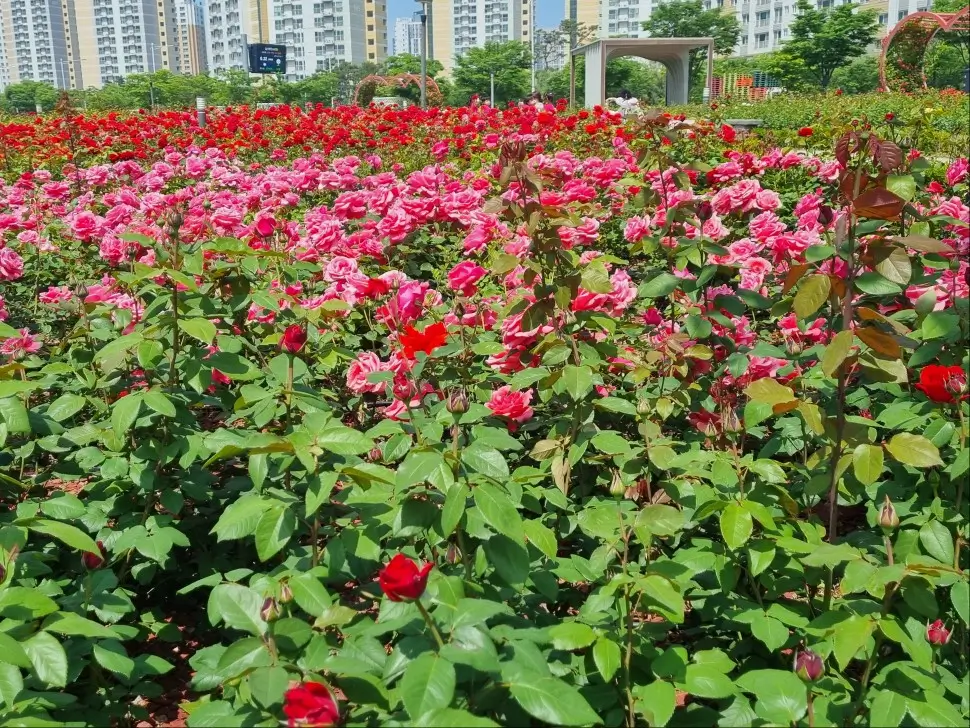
x=805 y=131
x=727 y=133
x=413 y=341
x=401 y=580
x=94 y=561
x=294 y=339
x=310 y=704
x=376 y=288
x=942 y=384
x=937 y=633
x=265 y=226
x=890 y=116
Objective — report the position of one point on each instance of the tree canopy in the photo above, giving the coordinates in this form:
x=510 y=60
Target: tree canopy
x=509 y=61
x=826 y=39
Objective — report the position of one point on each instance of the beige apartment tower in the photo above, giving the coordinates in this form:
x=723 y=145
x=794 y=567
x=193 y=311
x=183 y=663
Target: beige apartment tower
x=455 y=27
x=375 y=29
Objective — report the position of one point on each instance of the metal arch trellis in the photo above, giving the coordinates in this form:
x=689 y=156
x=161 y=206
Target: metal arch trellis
x=904 y=47
x=401 y=80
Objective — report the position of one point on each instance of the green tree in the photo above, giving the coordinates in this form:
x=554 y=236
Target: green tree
x=509 y=61
x=25 y=95
x=409 y=63
x=689 y=19
x=647 y=82
x=858 y=77
x=829 y=38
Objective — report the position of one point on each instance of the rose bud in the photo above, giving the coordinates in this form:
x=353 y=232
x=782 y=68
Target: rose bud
x=937 y=634
x=825 y=216
x=705 y=211
x=294 y=339
x=94 y=561
x=452 y=555
x=808 y=666
x=887 y=515
x=270 y=610
x=402 y=580
x=617 y=488
x=286 y=594
x=890 y=116
x=457 y=402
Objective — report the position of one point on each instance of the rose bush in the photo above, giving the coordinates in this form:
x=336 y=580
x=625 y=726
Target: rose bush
x=478 y=417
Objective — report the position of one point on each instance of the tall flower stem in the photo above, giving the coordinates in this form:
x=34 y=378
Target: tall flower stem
x=430 y=622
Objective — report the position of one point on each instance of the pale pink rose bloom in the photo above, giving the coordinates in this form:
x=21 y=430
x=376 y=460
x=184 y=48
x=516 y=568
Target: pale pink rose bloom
x=511 y=405
x=366 y=363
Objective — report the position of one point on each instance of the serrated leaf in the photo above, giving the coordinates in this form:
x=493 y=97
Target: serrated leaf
x=498 y=511
x=48 y=658
x=239 y=607
x=547 y=698
x=836 y=352
x=571 y=636
x=895 y=266
x=273 y=531
x=850 y=636
x=428 y=685
x=769 y=391
x=11 y=684
x=310 y=594
x=66 y=534
x=937 y=541
x=124 y=412
x=736 y=525
x=199 y=328
x=606 y=657
x=577 y=381
x=485 y=460
x=812 y=293
x=656 y=702
x=867 y=463
x=660 y=285
x=888 y=709
x=706 y=681
x=914 y=450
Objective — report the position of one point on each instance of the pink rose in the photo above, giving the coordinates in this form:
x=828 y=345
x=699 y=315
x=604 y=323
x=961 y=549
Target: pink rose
x=340 y=268
x=11 y=265
x=366 y=363
x=511 y=405
x=767 y=200
x=265 y=227
x=464 y=276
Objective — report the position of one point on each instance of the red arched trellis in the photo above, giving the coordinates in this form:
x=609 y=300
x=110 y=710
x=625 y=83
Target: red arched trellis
x=905 y=45
x=401 y=80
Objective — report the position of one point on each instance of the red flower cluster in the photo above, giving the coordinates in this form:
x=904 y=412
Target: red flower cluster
x=805 y=131
x=413 y=341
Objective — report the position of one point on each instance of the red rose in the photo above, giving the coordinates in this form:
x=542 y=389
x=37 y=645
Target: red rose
x=937 y=633
x=294 y=339
x=402 y=581
x=310 y=704
x=413 y=341
x=94 y=561
x=265 y=226
x=805 y=131
x=890 y=116
x=727 y=133
x=941 y=383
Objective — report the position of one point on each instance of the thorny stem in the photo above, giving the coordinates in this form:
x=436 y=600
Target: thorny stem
x=811 y=709
x=430 y=622
x=314 y=539
x=963 y=446
x=877 y=644
x=628 y=657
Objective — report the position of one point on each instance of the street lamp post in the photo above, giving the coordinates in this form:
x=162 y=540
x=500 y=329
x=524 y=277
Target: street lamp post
x=151 y=80
x=532 y=41
x=424 y=53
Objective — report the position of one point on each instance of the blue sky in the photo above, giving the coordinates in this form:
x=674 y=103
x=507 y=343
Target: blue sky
x=548 y=12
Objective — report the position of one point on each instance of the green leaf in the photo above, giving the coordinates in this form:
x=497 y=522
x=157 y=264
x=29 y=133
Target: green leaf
x=606 y=657
x=63 y=507
x=914 y=450
x=11 y=387
x=571 y=636
x=655 y=702
x=454 y=508
x=273 y=531
x=499 y=513
x=902 y=185
x=895 y=266
x=541 y=537
x=661 y=592
x=238 y=606
x=199 y=328
x=69 y=623
x=736 y=526
x=939 y=325
x=159 y=402
x=770 y=631
x=812 y=293
x=850 y=636
x=510 y=559
x=618 y=405
x=342 y=440
x=113 y=657
x=419 y=466
x=66 y=534
x=877 y=285
x=934 y=710
x=124 y=412
x=867 y=463
x=937 y=541
x=660 y=520
x=782 y=696
x=888 y=709
x=310 y=594
x=455 y=718
x=267 y=685
x=65 y=407
x=577 y=381
x=428 y=685
x=959 y=596
x=11 y=684
x=239 y=519
x=769 y=391
x=485 y=460
x=242 y=656
x=14 y=415
x=547 y=698
x=706 y=681
x=25 y=603
x=48 y=658
x=836 y=352
x=660 y=285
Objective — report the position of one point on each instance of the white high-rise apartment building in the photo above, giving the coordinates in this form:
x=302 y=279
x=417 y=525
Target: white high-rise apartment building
x=457 y=25
x=190 y=43
x=407 y=37
x=230 y=25
x=318 y=34
x=4 y=69
x=765 y=24
x=34 y=42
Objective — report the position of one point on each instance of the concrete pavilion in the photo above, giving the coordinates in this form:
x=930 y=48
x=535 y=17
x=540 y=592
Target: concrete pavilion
x=673 y=53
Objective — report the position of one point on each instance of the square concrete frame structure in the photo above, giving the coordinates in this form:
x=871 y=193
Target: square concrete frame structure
x=674 y=53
